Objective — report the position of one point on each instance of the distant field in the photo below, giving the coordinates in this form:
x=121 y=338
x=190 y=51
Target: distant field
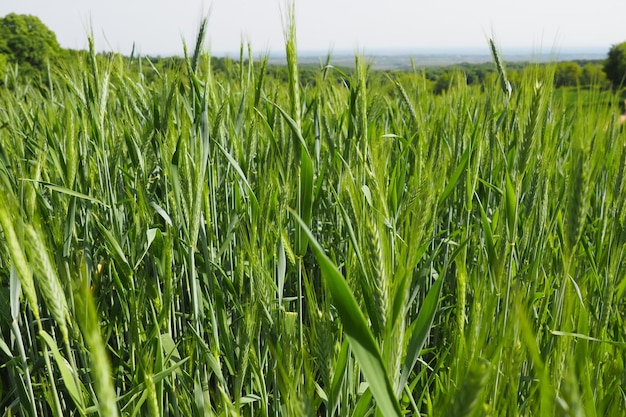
x=403 y=60
x=182 y=241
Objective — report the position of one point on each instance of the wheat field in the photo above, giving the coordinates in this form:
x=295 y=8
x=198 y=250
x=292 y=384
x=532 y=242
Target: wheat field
x=205 y=244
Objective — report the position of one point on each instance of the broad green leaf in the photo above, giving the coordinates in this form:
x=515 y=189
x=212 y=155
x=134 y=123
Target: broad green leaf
x=248 y=399
x=368 y=299
x=488 y=233
x=150 y=235
x=368 y=195
x=338 y=376
x=305 y=200
x=67 y=191
x=305 y=185
x=511 y=203
x=357 y=330
x=423 y=323
x=170 y=351
x=212 y=360
x=5 y=349
x=397 y=184
x=240 y=173
x=454 y=179
x=402 y=285
x=294 y=127
x=67 y=373
x=161 y=213
x=585 y=337
x=156 y=378
x=116 y=251
x=363 y=405
x=421 y=329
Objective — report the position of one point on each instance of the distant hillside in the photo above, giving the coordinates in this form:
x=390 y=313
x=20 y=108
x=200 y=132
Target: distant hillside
x=404 y=60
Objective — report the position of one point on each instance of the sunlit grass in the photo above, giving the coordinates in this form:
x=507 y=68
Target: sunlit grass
x=203 y=245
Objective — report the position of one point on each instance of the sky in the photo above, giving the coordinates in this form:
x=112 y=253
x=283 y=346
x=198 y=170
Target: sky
x=158 y=27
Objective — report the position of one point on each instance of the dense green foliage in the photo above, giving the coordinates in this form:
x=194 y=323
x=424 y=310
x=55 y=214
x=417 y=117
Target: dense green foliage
x=615 y=65
x=24 y=39
x=27 y=42
x=180 y=239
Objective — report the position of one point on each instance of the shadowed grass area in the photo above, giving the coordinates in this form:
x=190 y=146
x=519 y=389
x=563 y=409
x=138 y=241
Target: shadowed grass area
x=202 y=245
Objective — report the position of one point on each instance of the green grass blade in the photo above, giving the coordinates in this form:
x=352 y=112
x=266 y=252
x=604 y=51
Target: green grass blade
x=362 y=406
x=421 y=329
x=305 y=202
x=338 y=377
x=67 y=191
x=293 y=125
x=117 y=253
x=240 y=173
x=585 y=337
x=511 y=204
x=281 y=269
x=488 y=234
x=100 y=365
x=454 y=179
x=67 y=373
x=357 y=330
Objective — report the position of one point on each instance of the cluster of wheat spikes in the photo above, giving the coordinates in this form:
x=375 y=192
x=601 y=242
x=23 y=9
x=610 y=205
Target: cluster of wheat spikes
x=203 y=244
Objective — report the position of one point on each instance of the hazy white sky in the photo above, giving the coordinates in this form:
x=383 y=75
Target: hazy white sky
x=158 y=26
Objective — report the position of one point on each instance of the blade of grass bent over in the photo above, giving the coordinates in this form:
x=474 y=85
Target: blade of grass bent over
x=361 y=340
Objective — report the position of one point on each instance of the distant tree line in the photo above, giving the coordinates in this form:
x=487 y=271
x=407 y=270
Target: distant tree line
x=26 y=41
x=28 y=49
x=566 y=74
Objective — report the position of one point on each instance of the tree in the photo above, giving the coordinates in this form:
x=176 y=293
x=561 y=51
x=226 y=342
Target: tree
x=593 y=75
x=567 y=74
x=3 y=65
x=24 y=39
x=615 y=65
x=443 y=83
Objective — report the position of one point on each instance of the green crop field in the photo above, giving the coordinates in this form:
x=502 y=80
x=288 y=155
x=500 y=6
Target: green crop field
x=202 y=244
